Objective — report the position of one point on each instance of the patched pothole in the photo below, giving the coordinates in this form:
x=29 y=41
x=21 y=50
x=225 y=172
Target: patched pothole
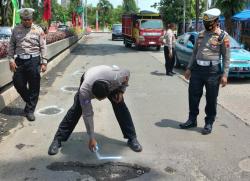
x=71 y=89
x=245 y=164
x=50 y=110
x=105 y=172
x=170 y=170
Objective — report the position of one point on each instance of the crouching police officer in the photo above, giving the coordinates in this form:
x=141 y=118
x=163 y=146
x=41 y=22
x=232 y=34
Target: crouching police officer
x=27 y=49
x=205 y=69
x=98 y=82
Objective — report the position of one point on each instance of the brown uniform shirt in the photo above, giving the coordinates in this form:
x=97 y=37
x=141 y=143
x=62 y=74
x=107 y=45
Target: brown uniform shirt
x=209 y=47
x=27 y=41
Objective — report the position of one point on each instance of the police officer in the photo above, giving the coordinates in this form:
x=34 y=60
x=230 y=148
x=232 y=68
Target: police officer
x=205 y=69
x=27 y=50
x=169 y=49
x=98 y=82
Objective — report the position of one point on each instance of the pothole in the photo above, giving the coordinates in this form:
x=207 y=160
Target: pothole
x=50 y=110
x=170 y=170
x=104 y=172
x=245 y=164
x=71 y=89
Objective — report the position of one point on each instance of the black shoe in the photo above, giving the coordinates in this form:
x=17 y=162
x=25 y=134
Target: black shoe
x=54 y=147
x=169 y=74
x=134 y=145
x=173 y=73
x=207 y=129
x=30 y=116
x=188 y=124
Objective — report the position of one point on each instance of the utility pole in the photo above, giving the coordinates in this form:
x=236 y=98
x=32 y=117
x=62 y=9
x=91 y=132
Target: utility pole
x=184 y=16
x=86 y=14
x=83 y=22
x=197 y=6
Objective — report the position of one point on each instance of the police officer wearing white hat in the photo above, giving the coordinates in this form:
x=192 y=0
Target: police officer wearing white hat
x=207 y=69
x=27 y=52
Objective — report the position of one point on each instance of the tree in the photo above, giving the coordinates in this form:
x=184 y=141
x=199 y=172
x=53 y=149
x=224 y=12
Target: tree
x=105 y=8
x=228 y=9
x=6 y=13
x=129 y=6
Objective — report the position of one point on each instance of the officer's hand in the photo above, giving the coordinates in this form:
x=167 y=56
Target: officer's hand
x=92 y=144
x=43 y=68
x=187 y=74
x=118 y=97
x=13 y=66
x=223 y=81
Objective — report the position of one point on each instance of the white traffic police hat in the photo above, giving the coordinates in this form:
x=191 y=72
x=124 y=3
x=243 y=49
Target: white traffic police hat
x=26 y=13
x=211 y=14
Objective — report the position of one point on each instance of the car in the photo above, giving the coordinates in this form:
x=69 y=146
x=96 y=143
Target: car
x=62 y=27
x=239 y=60
x=117 y=31
x=5 y=32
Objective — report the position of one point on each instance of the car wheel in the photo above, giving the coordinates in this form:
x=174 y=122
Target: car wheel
x=158 y=48
x=177 y=63
x=113 y=38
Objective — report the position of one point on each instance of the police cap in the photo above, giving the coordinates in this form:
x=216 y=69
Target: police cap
x=26 y=13
x=211 y=14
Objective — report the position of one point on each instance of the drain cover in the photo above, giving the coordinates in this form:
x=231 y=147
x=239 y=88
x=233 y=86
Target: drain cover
x=50 y=110
x=69 y=89
x=105 y=172
x=245 y=164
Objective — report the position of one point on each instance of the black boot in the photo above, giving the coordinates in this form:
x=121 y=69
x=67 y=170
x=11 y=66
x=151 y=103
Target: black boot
x=188 y=124
x=134 y=145
x=54 y=147
x=30 y=116
x=207 y=129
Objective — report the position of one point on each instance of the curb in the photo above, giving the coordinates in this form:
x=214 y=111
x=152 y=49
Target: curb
x=11 y=94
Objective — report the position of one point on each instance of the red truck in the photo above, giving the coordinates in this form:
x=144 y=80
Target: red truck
x=144 y=29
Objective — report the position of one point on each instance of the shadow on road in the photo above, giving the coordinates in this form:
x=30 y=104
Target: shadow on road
x=100 y=49
x=174 y=124
x=77 y=145
x=158 y=73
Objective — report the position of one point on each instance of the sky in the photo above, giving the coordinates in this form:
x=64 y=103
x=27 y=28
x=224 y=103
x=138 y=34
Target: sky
x=143 y=4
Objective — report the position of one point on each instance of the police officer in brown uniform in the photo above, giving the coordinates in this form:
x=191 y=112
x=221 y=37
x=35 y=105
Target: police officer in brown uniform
x=27 y=50
x=207 y=69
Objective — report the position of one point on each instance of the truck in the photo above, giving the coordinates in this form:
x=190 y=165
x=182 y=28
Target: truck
x=144 y=29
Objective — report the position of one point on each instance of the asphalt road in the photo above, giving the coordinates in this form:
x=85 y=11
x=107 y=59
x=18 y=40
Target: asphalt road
x=157 y=104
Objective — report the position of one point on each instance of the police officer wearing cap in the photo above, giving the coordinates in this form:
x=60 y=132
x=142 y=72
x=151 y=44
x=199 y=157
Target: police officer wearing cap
x=27 y=51
x=209 y=67
x=98 y=82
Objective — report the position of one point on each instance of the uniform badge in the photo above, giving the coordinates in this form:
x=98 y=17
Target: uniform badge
x=205 y=17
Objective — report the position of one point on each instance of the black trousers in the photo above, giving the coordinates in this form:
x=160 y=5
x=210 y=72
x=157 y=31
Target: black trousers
x=73 y=115
x=209 y=77
x=26 y=80
x=169 y=62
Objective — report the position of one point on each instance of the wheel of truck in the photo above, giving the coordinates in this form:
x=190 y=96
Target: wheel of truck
x=177 y=62
x=158 y=48
x=126 y=43
x=138 y=47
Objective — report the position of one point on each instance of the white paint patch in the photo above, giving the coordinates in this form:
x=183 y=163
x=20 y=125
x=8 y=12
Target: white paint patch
x=49 y=107
x=245 y=165
x=78 y=73
x=99 y=157
x=64 y=89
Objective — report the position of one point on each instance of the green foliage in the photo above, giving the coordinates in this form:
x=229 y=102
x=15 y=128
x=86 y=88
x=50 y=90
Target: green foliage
x=129 y=6
x=105 y=9
x=228 y=9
